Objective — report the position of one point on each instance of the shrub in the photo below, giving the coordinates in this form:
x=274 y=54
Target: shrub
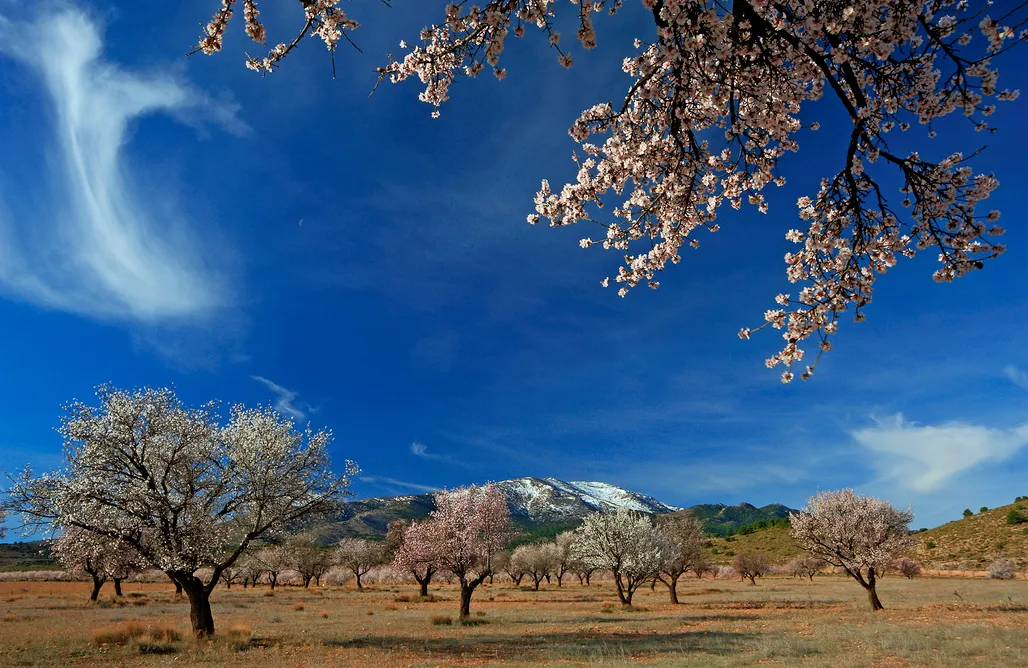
x=150 y=647
x=239 y=637
x=1000 y=545
x=1002 y=569
x=984 y=509
x=126 y=632
x=1016 y=517
x=441 y=620
x=968 y=512
x=298 y=607
x=930 y=545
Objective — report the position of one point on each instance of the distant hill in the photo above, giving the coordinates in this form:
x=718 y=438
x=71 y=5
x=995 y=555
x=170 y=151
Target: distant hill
x=28 y=556
x=975 y=542
x=722 y=520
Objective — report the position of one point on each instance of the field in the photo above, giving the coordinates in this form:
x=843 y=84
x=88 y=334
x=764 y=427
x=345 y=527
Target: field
x=779 y=622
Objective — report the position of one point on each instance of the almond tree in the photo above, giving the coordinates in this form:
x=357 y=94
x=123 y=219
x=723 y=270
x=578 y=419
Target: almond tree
x=806 y=565
x=359 y=556
x=751 y=565
x=468 y=526
x=718 y=94
x=535 y=561
x=626 y=544
x=97 y=555
x=514 y=569
x=308 y=558
x=859 y=534
x=563 y=555
x=684 y=535
x=272 y=560
x=416 y=553
x=186 y=491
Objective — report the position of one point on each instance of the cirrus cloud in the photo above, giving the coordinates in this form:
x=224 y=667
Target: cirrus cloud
x=85 y=238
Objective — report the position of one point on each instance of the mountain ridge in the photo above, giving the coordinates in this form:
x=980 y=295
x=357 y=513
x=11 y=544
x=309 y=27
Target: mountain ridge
x=540 y=507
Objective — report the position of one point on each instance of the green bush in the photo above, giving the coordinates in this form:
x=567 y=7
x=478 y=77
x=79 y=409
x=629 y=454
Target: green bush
x=930 y=545
x=968 y=512
x=984 y=509
x=1015 y=517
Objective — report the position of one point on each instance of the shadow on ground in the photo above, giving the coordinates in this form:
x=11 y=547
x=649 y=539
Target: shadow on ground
x=578 y=645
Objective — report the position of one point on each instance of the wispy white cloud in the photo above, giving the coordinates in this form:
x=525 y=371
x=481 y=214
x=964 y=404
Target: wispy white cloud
x=1017 y=376
x=285 y=399
x=89 y=240
x=419 y=449
x=382 y=481
x=922 y=458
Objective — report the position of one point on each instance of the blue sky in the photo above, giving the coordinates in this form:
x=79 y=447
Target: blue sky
x=291 y=240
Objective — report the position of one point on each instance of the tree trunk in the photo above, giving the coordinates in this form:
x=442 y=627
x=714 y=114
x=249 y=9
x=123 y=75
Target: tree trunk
x=537 y=581
x=753 y=579
x=811 y=577
x=672 y=587
x=587 y=576
x=273 y=577
x=467 y=588
x=581 y=580
x=559 y=579
x=359 y=585
x=178 y=588
x=117 y=586
x=517 y=580
x=97 y=583
x=872 y=597
x=307 y=581
x=199 y=596
x=625 y=600
x=424 y=588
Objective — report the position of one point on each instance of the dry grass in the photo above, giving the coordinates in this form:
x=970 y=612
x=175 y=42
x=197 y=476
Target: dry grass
x=930 y=622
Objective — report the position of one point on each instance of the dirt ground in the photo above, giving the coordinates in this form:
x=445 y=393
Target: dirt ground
x=934 y=621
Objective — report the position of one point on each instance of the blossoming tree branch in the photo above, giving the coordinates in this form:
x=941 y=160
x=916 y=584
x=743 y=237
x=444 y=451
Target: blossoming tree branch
x=713 y=103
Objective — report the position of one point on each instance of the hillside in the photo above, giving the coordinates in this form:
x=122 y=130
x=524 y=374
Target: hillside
x=975 y=542
x=775 y=542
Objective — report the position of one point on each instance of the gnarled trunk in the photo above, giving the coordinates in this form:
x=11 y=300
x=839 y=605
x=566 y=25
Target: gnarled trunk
x=423 y=580
x=97 y=583
x=869 y=584
x=672 y=587
x=624 y=594
x=467 y=588
x=117 y=586
x=359 y=585
x=199 y=596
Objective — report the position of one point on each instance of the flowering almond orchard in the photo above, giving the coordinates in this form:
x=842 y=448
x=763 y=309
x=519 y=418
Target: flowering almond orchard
x=716 y=95
x=183 y=490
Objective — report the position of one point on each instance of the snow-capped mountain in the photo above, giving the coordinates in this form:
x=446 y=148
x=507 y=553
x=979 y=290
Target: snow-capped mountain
x=533 y=502
x=539 y=506
x=551 y=500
